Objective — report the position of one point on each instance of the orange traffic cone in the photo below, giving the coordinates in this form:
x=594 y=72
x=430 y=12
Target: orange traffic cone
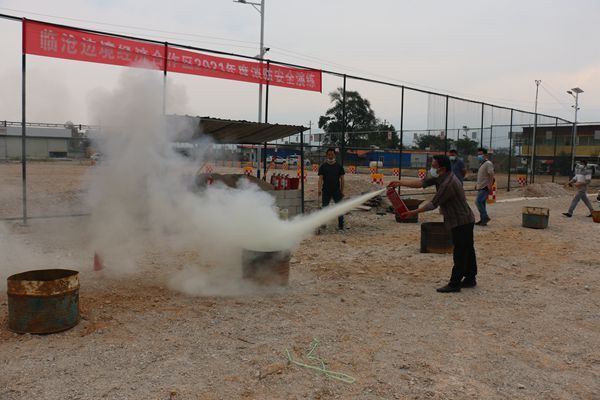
x=98 y=263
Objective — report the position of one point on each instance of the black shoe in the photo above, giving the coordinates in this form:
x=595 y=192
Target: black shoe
x=468 y=283
x=340 y=227
x=483 y=222
x=448 y=289
x=567 y=215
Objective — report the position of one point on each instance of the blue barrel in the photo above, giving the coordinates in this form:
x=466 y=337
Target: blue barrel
x=43 y=301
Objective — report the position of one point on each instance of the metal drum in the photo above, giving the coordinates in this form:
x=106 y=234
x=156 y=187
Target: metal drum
x=411 y=204
x=43 y=301
x=266 y=268
x=536 y=217
x=436 y=238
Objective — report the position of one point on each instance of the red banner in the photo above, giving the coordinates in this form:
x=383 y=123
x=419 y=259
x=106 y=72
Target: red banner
x=56 y=41
x=188 y=62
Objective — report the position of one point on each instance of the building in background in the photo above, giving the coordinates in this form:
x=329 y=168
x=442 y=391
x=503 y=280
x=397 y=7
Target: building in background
x=44 y=141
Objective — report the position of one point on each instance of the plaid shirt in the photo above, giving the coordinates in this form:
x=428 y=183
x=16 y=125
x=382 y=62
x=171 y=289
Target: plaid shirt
x=450 y=197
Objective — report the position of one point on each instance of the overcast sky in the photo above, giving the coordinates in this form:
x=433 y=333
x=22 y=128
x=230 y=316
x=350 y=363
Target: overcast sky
x=485 y=50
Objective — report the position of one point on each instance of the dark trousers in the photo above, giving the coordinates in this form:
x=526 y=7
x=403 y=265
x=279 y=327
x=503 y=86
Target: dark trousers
x=337 y=197
x=465 y=263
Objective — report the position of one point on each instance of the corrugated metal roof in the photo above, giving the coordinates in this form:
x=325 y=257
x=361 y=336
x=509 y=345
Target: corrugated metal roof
x=239 y=132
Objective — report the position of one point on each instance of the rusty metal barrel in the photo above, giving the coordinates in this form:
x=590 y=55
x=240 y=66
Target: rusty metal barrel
x=435 y=238
x=536 y=217
x=266 y=267
x=411 y=204
x=43 y=301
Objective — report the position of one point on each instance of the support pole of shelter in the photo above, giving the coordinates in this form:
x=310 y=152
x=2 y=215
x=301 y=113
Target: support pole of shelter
x=23 y=123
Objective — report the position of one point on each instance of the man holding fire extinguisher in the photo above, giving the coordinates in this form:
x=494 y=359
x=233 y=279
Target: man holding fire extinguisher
x=458 y=218
x=331 y=182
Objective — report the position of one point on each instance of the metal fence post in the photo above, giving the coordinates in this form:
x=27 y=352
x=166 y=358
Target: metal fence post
x=343 y=141
x=510 y=148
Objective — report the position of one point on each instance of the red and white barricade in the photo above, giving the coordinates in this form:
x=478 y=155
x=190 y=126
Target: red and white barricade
x=491 y=199
x=377 y=179
x=315 y=168
x=373 y=170
x=422 y=173
x=248 y=171
x=352 y=169
x=299 y=174
x=284 y=165
x=395 y=171
x=209 y=169
x=522 y=180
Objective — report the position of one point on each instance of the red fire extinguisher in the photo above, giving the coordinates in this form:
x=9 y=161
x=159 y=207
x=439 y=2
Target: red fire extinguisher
x=284 y=182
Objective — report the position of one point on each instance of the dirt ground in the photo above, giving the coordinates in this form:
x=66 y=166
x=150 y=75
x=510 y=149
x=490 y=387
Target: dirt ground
x=529 y=330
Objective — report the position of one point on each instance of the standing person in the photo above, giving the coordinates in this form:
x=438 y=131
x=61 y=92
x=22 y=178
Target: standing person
x=458 y=217
x=581 y=180
x=458 y=166
x=485 y=180
x=331 y=182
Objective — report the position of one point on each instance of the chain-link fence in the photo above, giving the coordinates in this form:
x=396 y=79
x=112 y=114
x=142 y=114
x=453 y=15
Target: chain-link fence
x=377 y=127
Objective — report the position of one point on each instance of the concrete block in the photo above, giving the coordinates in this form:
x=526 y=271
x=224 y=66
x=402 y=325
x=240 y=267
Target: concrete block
x=292 y=194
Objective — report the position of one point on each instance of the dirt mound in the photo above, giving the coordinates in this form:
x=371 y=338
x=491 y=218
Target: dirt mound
x=543 y=190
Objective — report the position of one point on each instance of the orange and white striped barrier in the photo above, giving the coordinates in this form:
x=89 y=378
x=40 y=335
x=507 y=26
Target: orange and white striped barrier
x=377 y=179
x=98 y=262
x=299 y=174
x=248 y=171
x=491 y=199
x=422 y=173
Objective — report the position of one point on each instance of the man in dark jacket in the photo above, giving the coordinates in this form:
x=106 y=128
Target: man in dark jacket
x=331 y=182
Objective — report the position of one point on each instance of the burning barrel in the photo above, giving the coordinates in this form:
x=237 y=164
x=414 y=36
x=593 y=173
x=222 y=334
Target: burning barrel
x=435 y=238
x=266 y=267
x=43 y=301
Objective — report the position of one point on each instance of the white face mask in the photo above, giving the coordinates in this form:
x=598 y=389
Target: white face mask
x=330 y=161
x=433 y=172
x=452 y=158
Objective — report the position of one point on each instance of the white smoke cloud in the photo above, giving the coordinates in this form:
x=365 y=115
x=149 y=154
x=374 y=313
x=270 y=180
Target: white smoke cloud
x=141 y=196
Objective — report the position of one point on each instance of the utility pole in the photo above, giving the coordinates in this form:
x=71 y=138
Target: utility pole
x=260 y=7
x=574 y=138
x=532 y=147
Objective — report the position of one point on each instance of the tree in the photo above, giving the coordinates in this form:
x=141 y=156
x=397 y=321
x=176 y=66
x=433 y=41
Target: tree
x=466 y=146
x=360 y=118
x=433 y=142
